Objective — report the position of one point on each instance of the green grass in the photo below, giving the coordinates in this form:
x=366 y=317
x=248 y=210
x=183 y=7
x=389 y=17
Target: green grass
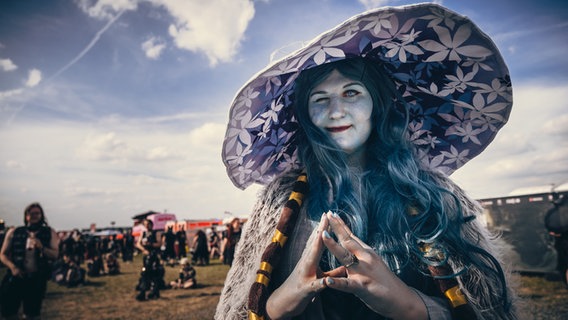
x=112 y=297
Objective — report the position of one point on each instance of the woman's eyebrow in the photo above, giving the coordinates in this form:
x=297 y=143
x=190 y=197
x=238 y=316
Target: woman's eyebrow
x=345 y=86
x=355 y=83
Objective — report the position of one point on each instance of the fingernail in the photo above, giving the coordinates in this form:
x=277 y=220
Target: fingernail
x=330 y=280
x=335 y=215
x=326 y=234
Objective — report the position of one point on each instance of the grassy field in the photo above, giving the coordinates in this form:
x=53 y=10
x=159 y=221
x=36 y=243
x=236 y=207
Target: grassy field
x=112 y=297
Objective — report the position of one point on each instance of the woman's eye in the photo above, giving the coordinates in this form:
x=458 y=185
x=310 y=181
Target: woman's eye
x=351 y=93
x=320 y=100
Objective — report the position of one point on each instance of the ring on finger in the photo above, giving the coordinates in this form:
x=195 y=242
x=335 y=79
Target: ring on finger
x=352 y=262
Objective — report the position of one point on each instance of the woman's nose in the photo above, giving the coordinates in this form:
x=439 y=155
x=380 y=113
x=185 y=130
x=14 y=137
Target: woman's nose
x=336 y=109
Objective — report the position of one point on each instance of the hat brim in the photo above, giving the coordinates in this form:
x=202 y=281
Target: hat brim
x=450 y=73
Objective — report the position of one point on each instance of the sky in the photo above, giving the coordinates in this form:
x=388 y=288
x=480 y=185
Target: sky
x=111 y=108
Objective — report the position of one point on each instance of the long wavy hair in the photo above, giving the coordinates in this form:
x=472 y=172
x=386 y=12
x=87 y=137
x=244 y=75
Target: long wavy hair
x=42 y=221
x=394 y=204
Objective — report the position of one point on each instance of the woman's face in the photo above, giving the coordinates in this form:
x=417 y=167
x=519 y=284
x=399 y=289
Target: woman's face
x=342 y=108
x=34 y=215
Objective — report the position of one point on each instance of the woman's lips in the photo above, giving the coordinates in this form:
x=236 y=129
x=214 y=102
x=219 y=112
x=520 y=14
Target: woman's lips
x=337 y=129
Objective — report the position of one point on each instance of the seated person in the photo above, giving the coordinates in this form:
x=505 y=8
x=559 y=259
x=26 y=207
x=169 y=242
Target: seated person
x=60 y=268
x=112 y=265
x=95 y=267
x=186 y=278
x=75 y=275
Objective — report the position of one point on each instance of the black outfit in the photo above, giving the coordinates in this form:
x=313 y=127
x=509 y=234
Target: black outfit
x=152 y=275
x=182 y=243
x=229 y=253
x=561 y=246
x=169 y=244
x=128 y=247
x=28 y=289
x=201 y=250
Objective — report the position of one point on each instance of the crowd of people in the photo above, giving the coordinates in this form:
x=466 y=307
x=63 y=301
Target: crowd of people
x=35 y=254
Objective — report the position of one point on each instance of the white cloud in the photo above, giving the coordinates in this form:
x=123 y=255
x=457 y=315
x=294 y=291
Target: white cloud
x=34 y=78
x=153 y=47
x=161 y=153
x=370 y=4
x=530 y=150
x=7 y=65
x=10 y=93
x=13 y=164
x=209 y=134
x=106 y=9
x=214 y=27
x=106 y=147
x=557 y=126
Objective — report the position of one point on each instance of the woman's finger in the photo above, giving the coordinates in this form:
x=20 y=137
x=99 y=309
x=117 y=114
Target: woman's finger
x=318 y=285
x=345 y=257
x=342 y=284
x=346 y=238
x=339 y=272
x=315 y=252
x=340 y=229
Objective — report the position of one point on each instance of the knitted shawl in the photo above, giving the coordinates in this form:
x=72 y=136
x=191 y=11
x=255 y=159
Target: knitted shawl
x=258 y=231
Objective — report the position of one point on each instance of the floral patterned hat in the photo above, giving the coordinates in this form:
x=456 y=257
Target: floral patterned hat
x=451 y=74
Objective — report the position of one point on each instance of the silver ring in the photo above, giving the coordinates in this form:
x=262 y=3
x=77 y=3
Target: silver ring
x=354 y=261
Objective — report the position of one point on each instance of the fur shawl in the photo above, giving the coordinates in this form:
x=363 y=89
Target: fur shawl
x=257 y=234
x=259 y=229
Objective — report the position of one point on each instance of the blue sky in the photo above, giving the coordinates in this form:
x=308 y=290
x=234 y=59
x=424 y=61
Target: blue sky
x=111 y=108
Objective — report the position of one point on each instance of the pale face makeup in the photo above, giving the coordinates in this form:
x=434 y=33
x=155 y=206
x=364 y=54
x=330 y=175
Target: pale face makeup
x=342 y=108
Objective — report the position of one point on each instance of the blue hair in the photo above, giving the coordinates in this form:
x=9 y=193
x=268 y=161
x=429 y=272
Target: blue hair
x=403 y=204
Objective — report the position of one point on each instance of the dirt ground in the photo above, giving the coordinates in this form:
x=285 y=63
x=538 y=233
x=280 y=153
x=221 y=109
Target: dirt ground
x=112 y=297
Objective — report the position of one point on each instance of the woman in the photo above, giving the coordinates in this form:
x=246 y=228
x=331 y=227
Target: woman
x=28 y=252
x=200 y=249
x=230 y=241
x=187 y=276
x=152 y=275
x=375 y=114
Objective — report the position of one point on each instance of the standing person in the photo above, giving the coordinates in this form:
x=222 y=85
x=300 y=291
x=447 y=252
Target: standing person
x=214 y=243
x=128 y=247
x=168 y=243
x=200 y=249
x=556 y=222
x=181 y=238
x=152 y=275
x=230 y=241
x=355 y=135
x=2 y=236
x=27 y=252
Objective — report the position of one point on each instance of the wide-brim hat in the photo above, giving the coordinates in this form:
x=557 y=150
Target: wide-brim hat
x=454 y=81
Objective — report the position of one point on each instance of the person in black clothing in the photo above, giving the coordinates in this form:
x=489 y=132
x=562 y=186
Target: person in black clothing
x=181 y=238
x=230 y=242
x=2 y=236
x=214 y=242
x=187 y=276
x=168 y=243
x=27 y=252
x=200 y=249
x=95 y=266
x=128 y=247
x=152 y=275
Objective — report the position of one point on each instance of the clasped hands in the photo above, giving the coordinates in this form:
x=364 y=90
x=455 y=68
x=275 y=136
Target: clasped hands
x=363 y=273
